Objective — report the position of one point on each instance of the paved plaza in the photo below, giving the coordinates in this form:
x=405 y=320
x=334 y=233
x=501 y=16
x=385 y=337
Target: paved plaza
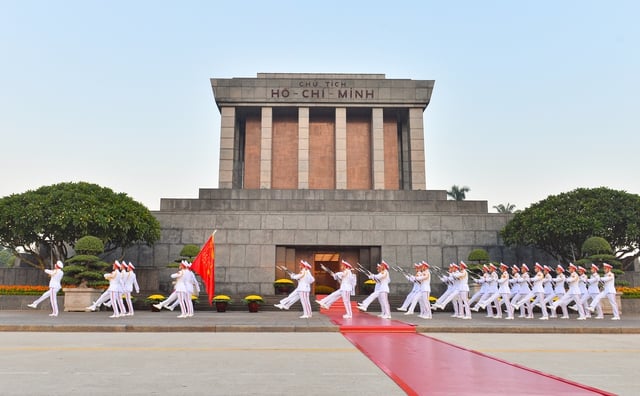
x=273 y=353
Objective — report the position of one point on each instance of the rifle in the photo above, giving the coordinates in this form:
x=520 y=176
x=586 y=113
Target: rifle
x=405 y=273
x=327 y=270
x=285 y=269
x=364 y=271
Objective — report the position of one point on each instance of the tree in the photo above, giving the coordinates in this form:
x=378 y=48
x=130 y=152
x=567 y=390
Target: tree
x=561 y=223
x=508 y=208
x=458 y=193
x=45 y=222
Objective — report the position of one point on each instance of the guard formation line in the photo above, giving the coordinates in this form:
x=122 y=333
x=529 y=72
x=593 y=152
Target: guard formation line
x=502 y=289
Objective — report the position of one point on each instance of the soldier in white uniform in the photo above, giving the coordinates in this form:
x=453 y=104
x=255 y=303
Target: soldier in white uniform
x=481 y=294
x=559 y=291
x=414 y=294
x=451 y=292
x=115 y=290
x=462 y=277
x=515 y=286
x=305 y=279
x=181 y=289
x=348 y=281
x=105 y=297
x=55 y=276
x=130 y=282
x=381 y=291
x=547 y=285
x=193 y=288
x=524 y=283
x=593 y=287
x=424 y=279
x=537 y=291
x=573 y=294
x=584 y=292
x=491 y=290
x=502 y=292
x=608 y=290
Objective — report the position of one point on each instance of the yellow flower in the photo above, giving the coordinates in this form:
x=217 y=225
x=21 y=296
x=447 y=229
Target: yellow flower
x=253 y=297
x=222 y=298
x=155 y=298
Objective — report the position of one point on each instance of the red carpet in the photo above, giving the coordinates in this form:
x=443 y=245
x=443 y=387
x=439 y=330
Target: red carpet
x=422 y=365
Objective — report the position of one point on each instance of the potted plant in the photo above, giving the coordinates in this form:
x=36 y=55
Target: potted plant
x=368 y=286
x=253 y=302
x=283 y=286
x=221 y=302
x=154 y=299
x=83 y=280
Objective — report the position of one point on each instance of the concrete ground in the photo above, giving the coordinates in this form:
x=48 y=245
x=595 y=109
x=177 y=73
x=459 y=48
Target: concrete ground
x=269 y=353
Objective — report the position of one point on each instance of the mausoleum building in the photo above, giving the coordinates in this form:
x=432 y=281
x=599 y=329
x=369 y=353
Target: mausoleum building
x=323 y=167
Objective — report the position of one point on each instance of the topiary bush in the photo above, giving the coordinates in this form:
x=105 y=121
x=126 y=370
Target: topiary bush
x=479 y=255
x=86 y=269
x=189 y=252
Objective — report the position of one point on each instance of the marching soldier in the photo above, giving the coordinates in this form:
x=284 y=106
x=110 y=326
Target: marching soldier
x=482 y=281
x=414 y=295
x=348 y=281
x=492 y=289
x=424 y=279
x=514 y=282
x=537 y=291
x=381 y=291
x=502 y=292
x=558 y=291
x=584 y=292
x=608 y=290
x=594 y=289
x=547 y=285
x=54 y=286
x=305 y=279
x=130 y=282
x=181 y=289
x=452 y=293
x=573 y=294
x=524 y=290
x=462 y=277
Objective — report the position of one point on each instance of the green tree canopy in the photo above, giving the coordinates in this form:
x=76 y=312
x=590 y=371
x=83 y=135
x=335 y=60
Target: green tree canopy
x=561 y=223
x=56 y=216
x=458 y=193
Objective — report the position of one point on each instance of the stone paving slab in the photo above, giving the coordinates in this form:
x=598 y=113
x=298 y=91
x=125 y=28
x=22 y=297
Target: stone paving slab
x=289 y=321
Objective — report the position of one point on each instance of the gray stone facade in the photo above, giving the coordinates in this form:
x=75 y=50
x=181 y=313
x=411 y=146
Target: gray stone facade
x=406 y=226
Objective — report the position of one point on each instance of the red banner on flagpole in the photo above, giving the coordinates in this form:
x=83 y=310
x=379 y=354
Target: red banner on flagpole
x=203 y=265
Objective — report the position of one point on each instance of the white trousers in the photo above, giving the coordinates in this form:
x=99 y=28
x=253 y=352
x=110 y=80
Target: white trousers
x=50 y=294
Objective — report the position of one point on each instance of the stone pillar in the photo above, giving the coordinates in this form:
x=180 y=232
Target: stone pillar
x=377 y=123
x=416 y=144
x=341 y=148
x=303 y=148
x=227 y=133
x=265 y=147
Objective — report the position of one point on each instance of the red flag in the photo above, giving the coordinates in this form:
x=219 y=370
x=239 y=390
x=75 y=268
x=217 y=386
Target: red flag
x=203 y=265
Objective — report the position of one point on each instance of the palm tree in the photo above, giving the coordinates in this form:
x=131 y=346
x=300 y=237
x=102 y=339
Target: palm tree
x=458 y=193
x=508 y=208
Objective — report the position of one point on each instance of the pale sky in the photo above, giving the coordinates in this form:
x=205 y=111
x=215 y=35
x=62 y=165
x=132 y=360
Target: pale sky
x=530 y=98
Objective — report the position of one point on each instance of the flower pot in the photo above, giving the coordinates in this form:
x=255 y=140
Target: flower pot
x=254 y=306
x=221 y=306
x=283 y=289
